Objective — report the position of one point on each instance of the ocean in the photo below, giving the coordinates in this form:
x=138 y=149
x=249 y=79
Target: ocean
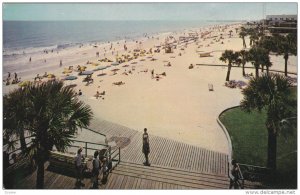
x=21 y=37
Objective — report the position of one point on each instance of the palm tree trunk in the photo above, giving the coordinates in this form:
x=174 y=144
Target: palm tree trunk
x=286 y=57
x=40 y=170
x=22 y=140
x=262 y=68
x=272 y=147
x=267 y=70
x=228 y=72
x=244 y=43
x=244 y=74
x=256 y=72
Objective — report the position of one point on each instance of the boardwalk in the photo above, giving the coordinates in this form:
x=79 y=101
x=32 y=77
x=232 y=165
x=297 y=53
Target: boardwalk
x=165 y=152
x=174 y=165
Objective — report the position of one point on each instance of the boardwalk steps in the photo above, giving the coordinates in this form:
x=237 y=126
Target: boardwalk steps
x=172 y=176
x=134 y=176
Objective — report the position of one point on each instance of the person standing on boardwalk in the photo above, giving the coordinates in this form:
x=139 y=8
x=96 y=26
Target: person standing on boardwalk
x=95 y=170
x=79 y=167
x=146 y=147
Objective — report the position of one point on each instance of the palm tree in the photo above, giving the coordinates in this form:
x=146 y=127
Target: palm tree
x=14 y=117
x=253 y=37
x=266 y=63
x=243 y=34
x=286 y=45
x=230 y=57
x=268 y=43
x=270 y=93
x=243 y=58
x=258 y=56
x=53 y=118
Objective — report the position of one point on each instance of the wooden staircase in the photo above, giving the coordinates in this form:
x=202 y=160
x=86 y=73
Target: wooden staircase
x=135 y=176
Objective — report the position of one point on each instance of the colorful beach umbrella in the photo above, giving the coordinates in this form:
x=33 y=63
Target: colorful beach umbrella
x=24 y=83
x=115 y=63
x=100 y=68
x=87 y=72
x=51 y=76
x=70 y=78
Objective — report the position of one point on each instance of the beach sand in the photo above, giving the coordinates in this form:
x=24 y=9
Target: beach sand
x=179 y=106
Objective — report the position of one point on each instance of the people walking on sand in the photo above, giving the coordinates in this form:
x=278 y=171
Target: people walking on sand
x=95 y=170
x=152 y=73
x=30 y=59
x=80 y=92
x=8 y=75
x=60 y=63
x=79 y=167
x=146 y=147
x=16 y=76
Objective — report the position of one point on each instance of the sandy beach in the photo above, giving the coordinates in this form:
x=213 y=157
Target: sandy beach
x=179 y=105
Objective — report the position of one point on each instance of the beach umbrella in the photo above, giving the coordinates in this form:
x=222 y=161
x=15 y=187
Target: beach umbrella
x=115 y=63
x=51 y=76
x=66 y=71
x=24 y=83
x=70 y=78
x=87 y=72
x=100 y=68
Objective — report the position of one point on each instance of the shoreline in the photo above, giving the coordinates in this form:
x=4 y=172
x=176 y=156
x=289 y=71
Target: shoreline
x=23 y=58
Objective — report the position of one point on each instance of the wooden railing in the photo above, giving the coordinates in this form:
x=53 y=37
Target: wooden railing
x=113 y=157
x=89 y=148
x=255 y=173
x=246 y=172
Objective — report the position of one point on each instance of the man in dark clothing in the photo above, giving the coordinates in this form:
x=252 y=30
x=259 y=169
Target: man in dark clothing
x=146 y=147
x=234 y=175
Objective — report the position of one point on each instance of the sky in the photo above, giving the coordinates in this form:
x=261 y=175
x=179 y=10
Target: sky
x=143 y=11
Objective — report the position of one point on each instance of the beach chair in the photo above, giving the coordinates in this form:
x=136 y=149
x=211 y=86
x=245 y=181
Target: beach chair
x=210 y=87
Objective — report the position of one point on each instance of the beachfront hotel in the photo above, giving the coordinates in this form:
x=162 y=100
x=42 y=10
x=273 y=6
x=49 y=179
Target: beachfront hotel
x=163 y=102
x=282 y=23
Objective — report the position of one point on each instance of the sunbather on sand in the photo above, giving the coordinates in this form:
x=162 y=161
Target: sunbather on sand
x=169 y=64
x=119 y=83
